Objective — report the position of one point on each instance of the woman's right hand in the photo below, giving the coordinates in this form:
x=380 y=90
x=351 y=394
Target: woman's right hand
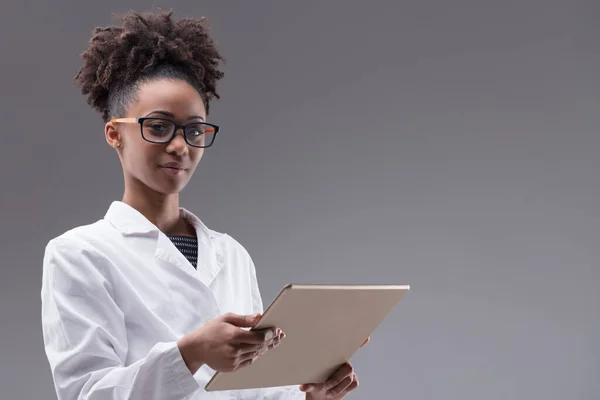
x=224 y=346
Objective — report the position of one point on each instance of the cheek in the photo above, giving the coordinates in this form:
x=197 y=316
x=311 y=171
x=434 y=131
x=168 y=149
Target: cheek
x=139 y=159
x=197 y=156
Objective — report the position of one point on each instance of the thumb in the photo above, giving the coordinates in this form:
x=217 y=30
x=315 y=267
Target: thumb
x=241 y=321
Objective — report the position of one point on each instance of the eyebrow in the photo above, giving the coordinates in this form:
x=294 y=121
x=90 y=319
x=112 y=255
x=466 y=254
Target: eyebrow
x=171 y=115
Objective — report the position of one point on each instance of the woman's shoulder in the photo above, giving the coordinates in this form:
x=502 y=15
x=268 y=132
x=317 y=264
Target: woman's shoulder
x=229 y=244
x=85 y=237
x=79 y=250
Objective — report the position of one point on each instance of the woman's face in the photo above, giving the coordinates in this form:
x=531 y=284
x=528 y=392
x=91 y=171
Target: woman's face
x=164 y=168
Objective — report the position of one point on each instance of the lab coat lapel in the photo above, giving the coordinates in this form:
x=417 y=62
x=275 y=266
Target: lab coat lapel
x=167 y=252
x=209 y=253
x=131 y=222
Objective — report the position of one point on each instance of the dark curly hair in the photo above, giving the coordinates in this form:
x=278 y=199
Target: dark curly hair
x=147 y=47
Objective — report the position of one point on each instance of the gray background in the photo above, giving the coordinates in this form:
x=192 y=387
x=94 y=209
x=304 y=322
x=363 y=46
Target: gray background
x=449 y=145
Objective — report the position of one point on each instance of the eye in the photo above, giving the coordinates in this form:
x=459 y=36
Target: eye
x=158 y=126
x=195 y=130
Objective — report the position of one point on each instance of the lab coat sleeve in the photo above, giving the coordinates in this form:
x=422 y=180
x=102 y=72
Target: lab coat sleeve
x=85 y=338
x=279 y=393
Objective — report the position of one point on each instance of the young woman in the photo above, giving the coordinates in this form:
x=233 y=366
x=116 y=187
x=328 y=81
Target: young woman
x=147 y=302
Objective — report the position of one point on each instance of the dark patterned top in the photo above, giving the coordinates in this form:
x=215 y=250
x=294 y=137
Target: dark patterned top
x=188 y=246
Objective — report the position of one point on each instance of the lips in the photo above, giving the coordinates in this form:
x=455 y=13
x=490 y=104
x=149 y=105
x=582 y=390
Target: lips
x=173 y=168
x=173 y=165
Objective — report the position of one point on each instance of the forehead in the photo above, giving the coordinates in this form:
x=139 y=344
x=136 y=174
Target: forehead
x=171 y=95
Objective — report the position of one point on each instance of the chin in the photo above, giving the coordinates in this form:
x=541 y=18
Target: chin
x=173 y=189
x=167 y=188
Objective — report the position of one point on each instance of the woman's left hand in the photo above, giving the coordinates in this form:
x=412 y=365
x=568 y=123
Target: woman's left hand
x=342 y=382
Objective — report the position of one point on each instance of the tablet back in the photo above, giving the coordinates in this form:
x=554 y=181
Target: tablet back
x=324 y=325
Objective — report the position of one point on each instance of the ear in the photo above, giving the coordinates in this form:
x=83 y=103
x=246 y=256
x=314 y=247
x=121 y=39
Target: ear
x=111 y=133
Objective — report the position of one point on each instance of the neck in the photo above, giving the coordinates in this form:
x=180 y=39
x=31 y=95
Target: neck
x=160 y=209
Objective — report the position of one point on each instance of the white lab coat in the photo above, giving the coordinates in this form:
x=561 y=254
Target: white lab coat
x=116 y=297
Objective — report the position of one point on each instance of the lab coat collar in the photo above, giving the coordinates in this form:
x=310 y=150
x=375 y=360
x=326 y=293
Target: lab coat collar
x=130 y=221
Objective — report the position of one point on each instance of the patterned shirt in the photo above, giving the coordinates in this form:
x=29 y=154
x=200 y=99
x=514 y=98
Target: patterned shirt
x=188 y=246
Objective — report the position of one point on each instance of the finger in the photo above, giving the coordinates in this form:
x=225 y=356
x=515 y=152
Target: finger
x=274 y=343
x=354 y=383
x=247 y=362
x=307 y=387
x=277 y=340
x=257 y=337
x=366 y=342
x=342 y=373
x=253 y=351
x=241 y=321
x=340 y=387
x=245 y=348
x=258 y=349
x=243 y=351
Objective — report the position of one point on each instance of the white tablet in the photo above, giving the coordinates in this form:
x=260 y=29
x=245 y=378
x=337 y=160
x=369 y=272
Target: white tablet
x=324 y=326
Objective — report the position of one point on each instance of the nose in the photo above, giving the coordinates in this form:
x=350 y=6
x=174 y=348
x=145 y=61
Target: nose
x=177 y=145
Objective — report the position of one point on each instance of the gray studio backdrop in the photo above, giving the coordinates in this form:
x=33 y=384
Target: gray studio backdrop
x=449 y=145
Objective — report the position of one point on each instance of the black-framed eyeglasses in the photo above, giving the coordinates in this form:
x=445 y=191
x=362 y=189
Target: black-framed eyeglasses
x=163 y=130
